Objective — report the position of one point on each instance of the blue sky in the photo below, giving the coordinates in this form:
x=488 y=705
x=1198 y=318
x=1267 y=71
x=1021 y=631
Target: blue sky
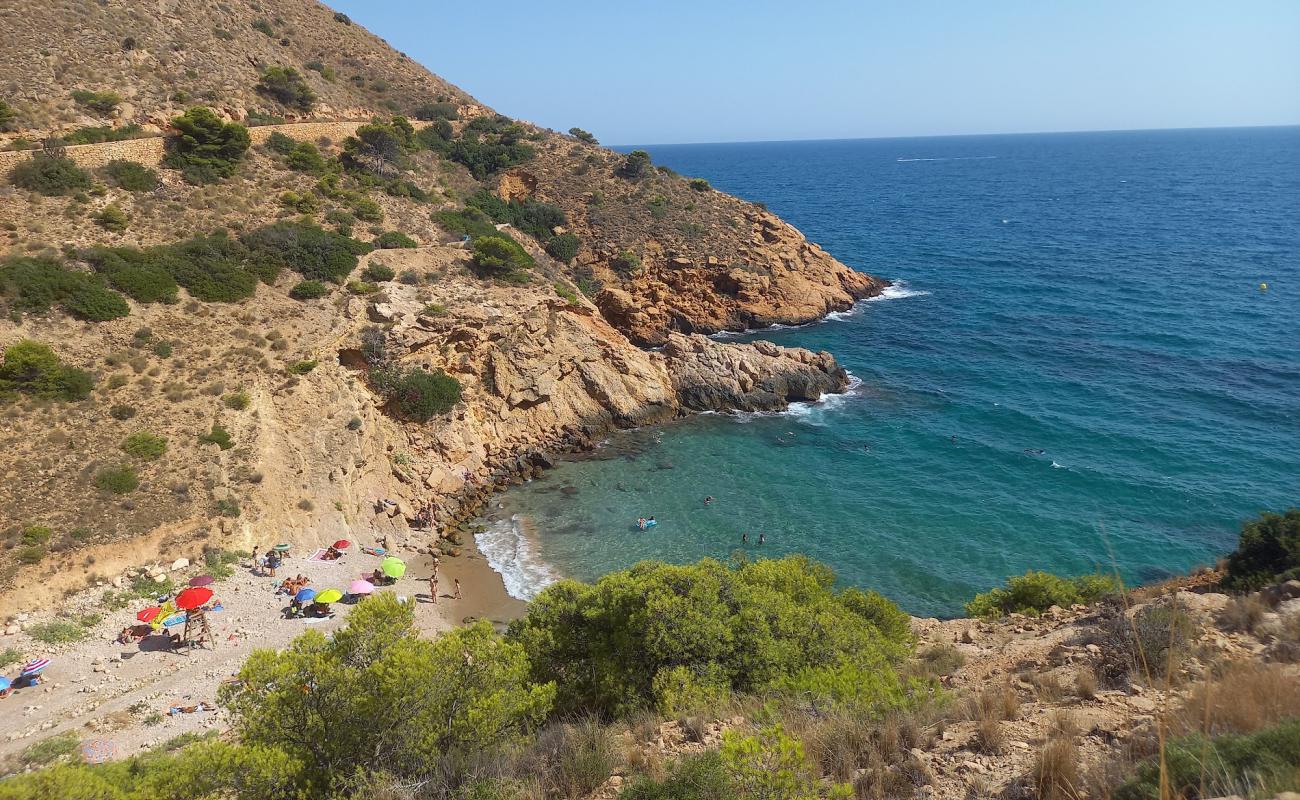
x=674 y=71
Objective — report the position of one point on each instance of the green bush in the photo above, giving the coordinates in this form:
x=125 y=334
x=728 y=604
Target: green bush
x=393 y=240
x=34 y=284
x=422 y=395
x=279 y=143
x=50 y=174
x=626 y=262
x=309 y=290
x=434 y=310
x=237 y=401
x=305 y=157
x=378 y=273
x=530 y=216
x=7 y=116
x=263 y=27
x=582 y=136
x=207 y=149
x=425 y=702
x=301 y=367
x=113 y=218
x=36 y=535
x=131 y=176
x=118 y=480
x=95 y=134
x=1035 y=592
x=162 y=349
x=377 y=149
x=1194 y=766
x=563 y=248
x=699 y=184
x=214 y=268
x=361 y=287
x=99 y=102
x=315 y=253
x=33 y=368
x=144 y=445
x=1268 y=551
x=700 y=776
x=286 y=86
x=433 y=111
x=365 y=208
x=133 y=272
x=470 y=222
x=304 y=203
x=226 y=507
x=122 y=412
x=635 y=166
x=502 y=258
x=768 y=626
x=31 y=554
x=218 y=436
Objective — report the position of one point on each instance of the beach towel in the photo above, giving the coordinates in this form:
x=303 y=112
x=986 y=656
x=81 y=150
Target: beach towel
x=373 y=551
x=319 y=555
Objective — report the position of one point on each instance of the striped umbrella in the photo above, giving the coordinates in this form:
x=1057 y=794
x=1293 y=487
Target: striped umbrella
x=34 y=667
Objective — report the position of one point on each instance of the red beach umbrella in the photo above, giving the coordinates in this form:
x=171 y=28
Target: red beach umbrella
x=201 y=580
x=149 y=614
x=342 y=544
x=193 y=597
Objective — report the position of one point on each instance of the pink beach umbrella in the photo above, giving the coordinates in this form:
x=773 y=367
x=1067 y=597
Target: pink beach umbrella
x=360 y=587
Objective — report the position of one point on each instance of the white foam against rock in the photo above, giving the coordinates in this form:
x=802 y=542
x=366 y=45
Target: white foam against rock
x=510 y=552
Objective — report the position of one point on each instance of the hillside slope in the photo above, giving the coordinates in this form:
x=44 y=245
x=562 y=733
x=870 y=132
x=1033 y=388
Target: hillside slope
x=274 y=423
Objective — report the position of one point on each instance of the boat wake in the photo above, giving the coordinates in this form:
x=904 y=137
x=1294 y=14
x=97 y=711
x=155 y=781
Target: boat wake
x=511 y=553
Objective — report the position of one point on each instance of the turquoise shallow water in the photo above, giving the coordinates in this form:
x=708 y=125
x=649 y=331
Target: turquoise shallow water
x=1093 y=296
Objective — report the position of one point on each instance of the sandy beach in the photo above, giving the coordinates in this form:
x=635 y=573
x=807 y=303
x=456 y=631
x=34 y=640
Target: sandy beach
x=97 y=688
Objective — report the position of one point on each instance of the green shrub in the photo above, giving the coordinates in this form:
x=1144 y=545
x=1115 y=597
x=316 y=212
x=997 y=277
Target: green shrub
x=309 y=290
x=218 y=436
x=286 y=86
x=434 y=310
x=699 y=776
x=433 y=111
x=635 y=166
x=145 y=445
x=378 y=149
x=530 y=216
x=136 y=273
x=565 y=292
x=339 y=16
x=48 y=751
x=207 y=149
x=1263 y=763
x=315 y=253
x=8 y=116
x=218 y=562
x=305 y=157
x=162 y=349
x=227 y=508
x=36 y=535
x=1035 y=592
x=378 y=273
x=470 y=222
x=215 y=269
x=10 y=656
x=88 y=299
x=304 y=203
x=563 y=248
x=365 y=208
x=626 y=262
x=96 y=134
x=582 y=136
x=699 y=184
x=255 y=119
x=1268 y=551
x=122 y=412
x=301 y=367
x=262 y=26
x=50 y=174
x=237 y=400
x=99 y=102
x=393 y=240
x=425 y=701
x=773 y=625
x=113 y=218
x=117 y=480
x=488 y=145
x=33 y=368
x=31 y=554
x=422 y=395
x=35 y=284
x=279 y=143
x=502 y=258
x=130 y=176
x=361 y=287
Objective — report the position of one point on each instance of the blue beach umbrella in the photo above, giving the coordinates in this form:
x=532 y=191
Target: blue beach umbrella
x=304 y=595
x=5 y=683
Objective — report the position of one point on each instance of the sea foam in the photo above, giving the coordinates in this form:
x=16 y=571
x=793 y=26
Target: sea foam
x=511 y=553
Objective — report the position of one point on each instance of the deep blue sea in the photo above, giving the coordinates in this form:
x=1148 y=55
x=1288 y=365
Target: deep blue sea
x=1077 y=369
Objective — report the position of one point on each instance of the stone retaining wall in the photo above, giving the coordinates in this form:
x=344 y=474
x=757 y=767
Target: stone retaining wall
x=150 y=151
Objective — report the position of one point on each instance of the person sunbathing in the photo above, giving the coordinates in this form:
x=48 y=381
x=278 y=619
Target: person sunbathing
x=332 y=553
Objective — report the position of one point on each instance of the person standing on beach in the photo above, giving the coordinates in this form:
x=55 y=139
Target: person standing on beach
x=433 y=587
x=456 y=583
x=257 y=565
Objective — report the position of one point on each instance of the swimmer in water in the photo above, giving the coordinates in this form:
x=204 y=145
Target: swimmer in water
x=744 y=538
x=952 y=439
x=762 y=537
x=1035 y=451
x=708 y=500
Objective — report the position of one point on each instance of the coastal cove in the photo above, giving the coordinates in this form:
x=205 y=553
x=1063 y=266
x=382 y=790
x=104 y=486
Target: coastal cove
x=1092 y=296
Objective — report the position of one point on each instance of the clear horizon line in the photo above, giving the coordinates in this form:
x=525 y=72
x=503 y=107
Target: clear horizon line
x=959 y=135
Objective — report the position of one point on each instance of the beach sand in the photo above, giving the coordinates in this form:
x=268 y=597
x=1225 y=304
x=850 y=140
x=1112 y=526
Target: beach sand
x=97 y=688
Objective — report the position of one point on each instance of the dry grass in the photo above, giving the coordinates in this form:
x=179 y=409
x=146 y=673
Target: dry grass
x=1047 y=686
x=1243 y=614
x=1056 y=772
x=1246 y=698
x=996 y=702
x=988 y=736
x=1085 y=684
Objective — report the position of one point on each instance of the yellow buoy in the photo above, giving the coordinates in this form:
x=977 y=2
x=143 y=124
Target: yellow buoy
x=1263 y=287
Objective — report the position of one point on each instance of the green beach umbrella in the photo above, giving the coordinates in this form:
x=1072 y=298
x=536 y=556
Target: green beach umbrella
x=393 y=567
x=329 y=596
x=281 y=547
